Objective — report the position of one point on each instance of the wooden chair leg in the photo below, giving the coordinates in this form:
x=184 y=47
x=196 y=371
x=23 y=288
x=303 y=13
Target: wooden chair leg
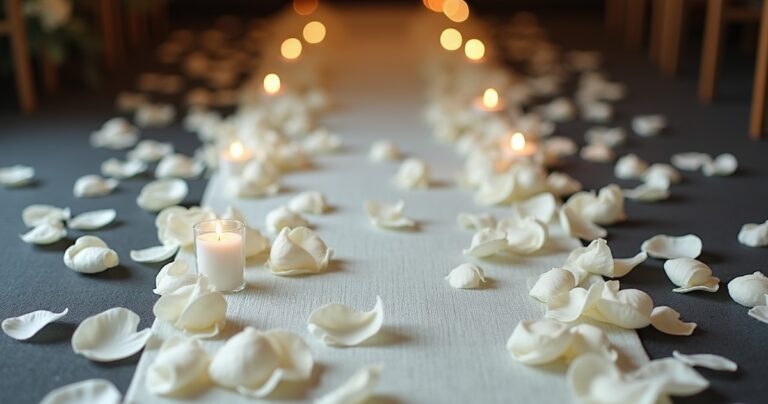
x=614 y=15
x=711 y=50
x=636 y=22
x=657 y=24
x=107 y=26
x=671 y=38
x=760 y=92
x=25 y=85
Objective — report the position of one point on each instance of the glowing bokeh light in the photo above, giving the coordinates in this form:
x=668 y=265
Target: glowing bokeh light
x=271 y=83
x=314 y=32
x=490 y=98
x=450 y=39
x=290 y=48
x=517 y=142
x=305 y=7
x=474 y=49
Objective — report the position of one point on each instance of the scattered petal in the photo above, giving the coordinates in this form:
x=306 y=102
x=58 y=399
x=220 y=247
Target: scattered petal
x=524 y=236
x=754 y=235
x=535 y=342
x=604 y=208
x=255 y=242
x=298 y=251
x=92 y=391
x=90 y=186
x=357 y=390
x=115 y=134
x=154 y=115
x=92 y=220
x=258 y=179
x=630 y=167
x=174 y=224
x=16 y=176
x=180 y=363
x=759 y=313
x=667 y=320
x=597 y=153
x=337 y=324
x=670 y=247
x=321 y=142
x=690 y=161
x=311 y=202
x=649 y=125
x=384 y=150
x=150 y=151
x=647 y=193
x=749 y=290
x=388 y=215
x=608 y=137
x=122 y=169
x=27 y=325
x=45 y=233
x=487 y=242
x=575 y=225
x=90 y=255
x=561 y=184
x=540 y=207
x=282 y=217
x=691 y=275
x=35 y=215
x=552 y=283
x=178 y=166
x=172 y=276
x=413 y=173
x=196 y=309
x=161 y=194
x=110 y=335
x=709 y=361
x=155 y=254
x=476 y=222
x=466 y=276
x=722 y=165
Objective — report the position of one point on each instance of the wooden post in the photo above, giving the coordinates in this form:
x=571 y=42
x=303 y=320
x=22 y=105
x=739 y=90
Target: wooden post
x=711 y=50
x=636 y=22
x=657 y=26
x=50 y=73
x=108 y=32
x=17 y=30
x=760 y=92
x=614 y=15
x=671 y=37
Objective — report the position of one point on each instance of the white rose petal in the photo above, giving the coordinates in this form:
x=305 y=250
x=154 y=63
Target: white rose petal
x=597 y=153
x=154 y=115
x=16 y=176
x=551 y=283
x=155 y=254
x=255 y=242
x=487 y=242
x=258 y=179
x=384 y=150
x=524 y=236
x=90 y=186
x=561 y=184
x=174 y=224
x=759 y=313
x=115 y=134
x=649 y=125
x=92 y=391
x=575 y=225
x=749 y=290
x=596 y=258
x=178 y=166
x=691 y=275
x=670 y=247
x=754 y=235
x=667 y=320
x=560 y=146
x=311 y=202
x=35 y=215
x=476 y=222
x=722 y=165
x=646 y=193
x=150 y=151
x=92 y=220
x=609 y=137
x=180 y=363
x=196 y=309
x=337 y=324
x=466 y=276
x=709 y=361
x=282 y=217
x=122 y=169
x=690 y=161
x=597 y=111
x=604 y=208
x=321 y=142
x=232 y=213
x=26 y=326
x=630 y=167
x=110 y=335
x=413 y=173
x=558 y=110
x=298 y=251
x=540 y=207
x=254 y=363
x=357 y=390
x=540 y=341
x=661 y=175
x=388 y=215
x=90 y=255
x=45 y=233
x=160 y=194
x=172 y=276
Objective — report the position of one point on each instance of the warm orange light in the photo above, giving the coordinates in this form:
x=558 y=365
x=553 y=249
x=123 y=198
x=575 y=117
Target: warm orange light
x=450 y=39
x=435 y=5
x=271 y=83
x=456 y=10
x=236 y=150
x=314 y=32
x=474 y=49
x=490 y=98
x=290 y=48
x=305 y=7
x=517 y=142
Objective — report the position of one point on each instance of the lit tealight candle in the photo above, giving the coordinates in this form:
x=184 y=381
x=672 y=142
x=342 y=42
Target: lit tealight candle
x=519 y=147
x=490 y=101
x=219 y=253
x=272 y=84
x=474 y=50
x=233 y=159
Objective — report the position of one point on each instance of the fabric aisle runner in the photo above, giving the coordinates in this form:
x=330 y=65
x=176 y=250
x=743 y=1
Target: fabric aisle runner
x=438 y=344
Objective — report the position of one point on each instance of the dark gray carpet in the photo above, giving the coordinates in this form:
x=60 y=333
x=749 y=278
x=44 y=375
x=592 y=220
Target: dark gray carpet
x=55 y=142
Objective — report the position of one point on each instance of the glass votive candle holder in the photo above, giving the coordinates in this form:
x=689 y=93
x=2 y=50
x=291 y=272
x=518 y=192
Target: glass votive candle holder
x=219 y=253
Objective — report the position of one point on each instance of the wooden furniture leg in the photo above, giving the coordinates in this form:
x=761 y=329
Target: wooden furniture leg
x=711 y=50
x=635 y=21
x=657 y=25
x=17 y=30
x=614 y=15
x=760 y=92
x=671 y=37
x=108 y=28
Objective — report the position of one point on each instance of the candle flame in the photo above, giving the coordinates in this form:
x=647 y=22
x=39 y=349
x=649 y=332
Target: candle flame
x=291 y=48
x=474 y=49
x=236 y=150
x=314 y=32
x=450 y=39
x=218 y=229
x=272 y=83
x=490 y=98
x=517 y=142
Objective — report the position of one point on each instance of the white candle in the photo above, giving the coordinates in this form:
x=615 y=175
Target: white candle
x=220 y=257
x=233 y=159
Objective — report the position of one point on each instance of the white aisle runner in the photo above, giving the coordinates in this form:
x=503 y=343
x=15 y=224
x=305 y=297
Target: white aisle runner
x=439 y=344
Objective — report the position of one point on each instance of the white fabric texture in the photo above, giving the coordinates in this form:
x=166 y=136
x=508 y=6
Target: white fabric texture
x=438 y=344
